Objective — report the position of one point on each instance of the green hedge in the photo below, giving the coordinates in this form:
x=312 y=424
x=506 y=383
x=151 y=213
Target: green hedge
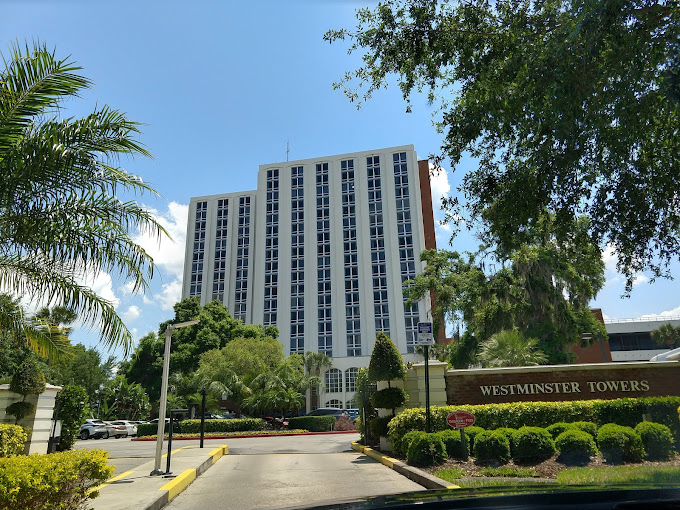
x=57 y=480
x=149 y=429
x=625 y=411
x=491 y=446
x=532 y=444
x=235 y=425
x=312 y=423
x=575 y=446
x=378 y=425
x=389 y=398
x=454 y=446
x=426 y=450
x=406 y=442
x=656 y=439
x=12 y=440
x=619 y=443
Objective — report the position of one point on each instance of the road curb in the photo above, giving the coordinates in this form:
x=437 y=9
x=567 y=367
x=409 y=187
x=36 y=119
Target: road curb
x=420 y=477
x=244 y=436
x=175 y=486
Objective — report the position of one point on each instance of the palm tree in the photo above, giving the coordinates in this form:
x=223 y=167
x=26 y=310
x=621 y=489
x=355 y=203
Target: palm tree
x=509 y=348
x=62 y=219
x=315 y=362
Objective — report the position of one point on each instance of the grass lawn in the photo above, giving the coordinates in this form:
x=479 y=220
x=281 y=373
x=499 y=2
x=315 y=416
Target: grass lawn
x=619 y=474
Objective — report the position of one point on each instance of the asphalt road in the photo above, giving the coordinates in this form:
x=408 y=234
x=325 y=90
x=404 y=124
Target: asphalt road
x=290 y=472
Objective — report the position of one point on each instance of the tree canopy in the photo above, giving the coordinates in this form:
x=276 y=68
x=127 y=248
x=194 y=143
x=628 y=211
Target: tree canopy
x=567 y=106
x=63 y=217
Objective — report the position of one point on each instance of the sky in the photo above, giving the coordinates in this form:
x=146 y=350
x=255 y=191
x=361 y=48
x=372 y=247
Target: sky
x=221 y=88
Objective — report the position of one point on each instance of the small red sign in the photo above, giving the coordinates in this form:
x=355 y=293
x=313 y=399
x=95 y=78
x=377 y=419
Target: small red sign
x=460 y=419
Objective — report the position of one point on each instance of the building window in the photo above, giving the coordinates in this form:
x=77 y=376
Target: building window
x=271 y=254
x=323 y=261
x=351 y=259
x=377 y=236
x=243 y=243
x=297 y=261
x=352 y=403
x=351 y=379
x=335 y=403
x=632 y=342
x=220 y=266
x=405 y=239
x=196 y=282
x=333 y=380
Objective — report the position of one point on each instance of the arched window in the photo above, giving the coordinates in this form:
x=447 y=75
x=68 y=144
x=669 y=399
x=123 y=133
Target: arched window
x=351 y=379
x=334 y=403
x=352 y=403
x=333 y=380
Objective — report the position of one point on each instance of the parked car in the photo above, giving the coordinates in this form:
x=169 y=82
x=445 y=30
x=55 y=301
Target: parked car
x=353 y=413
x=131 y=426
x=329 y=411
x=275 y=422
x=116 y=430
x=94 y=428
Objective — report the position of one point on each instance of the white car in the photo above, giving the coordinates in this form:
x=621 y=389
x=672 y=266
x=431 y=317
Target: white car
x=130 y=426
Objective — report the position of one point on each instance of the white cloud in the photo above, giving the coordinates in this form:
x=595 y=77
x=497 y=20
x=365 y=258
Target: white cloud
x=675 y=312
x=102 y=285
x=170 y=294
x=168 y=254
x=612 y=276
x=439 y=184
x=128 y=288
x=132 y=313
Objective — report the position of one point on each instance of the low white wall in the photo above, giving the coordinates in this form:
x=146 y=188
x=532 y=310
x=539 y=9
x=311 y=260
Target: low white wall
x=40 y=421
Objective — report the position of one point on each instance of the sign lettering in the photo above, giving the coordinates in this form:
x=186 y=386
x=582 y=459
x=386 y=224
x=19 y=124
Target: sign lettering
x=497 y=390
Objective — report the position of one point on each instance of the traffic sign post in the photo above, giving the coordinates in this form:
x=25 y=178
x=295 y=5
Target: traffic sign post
x=461 y=420
x=426 y=339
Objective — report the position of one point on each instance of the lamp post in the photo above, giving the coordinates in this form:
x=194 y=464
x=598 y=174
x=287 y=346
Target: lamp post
x=164 y=393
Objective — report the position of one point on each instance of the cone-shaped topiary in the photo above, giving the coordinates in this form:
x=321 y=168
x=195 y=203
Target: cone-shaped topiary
x=386 y=363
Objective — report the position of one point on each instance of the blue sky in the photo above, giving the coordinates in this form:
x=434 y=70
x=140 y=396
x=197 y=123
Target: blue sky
x=221 y=87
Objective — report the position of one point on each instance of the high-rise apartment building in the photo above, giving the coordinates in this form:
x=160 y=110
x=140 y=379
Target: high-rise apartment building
x=321 y=250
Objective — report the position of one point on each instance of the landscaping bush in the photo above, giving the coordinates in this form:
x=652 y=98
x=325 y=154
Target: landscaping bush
x=575 y=446
x=491 y=445
x=656 y=439
x=343 y=423
x=72 y=404
x=58 y=480
x=389 y=398
x=471 y=433
x=556 y=429
x=586 y=426
x=453 y=444
x=508 y=432
x=406 y=441
x=426 y=450
x=532 y=444
x=618 y=443
x=12 y=440
x=235 y=425
x=543 y=414
x=312 y=423
x=148 y=429
x=378 y=425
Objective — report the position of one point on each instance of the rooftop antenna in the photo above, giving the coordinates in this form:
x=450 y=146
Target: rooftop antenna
x=287 y=149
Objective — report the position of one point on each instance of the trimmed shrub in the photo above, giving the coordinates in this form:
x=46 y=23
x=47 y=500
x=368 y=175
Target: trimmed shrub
x=343 y=423
x=378 y=425
x=386 y=363
x=509 y=433
x=491 y=446
x=148 y=429
x=406 y=441
x=72 y=404
x=426 y=450
x=586 y=426
x=312 y=423
x=12 y=440
x=618 y=443
x=471 y=433
x=543 y=414
x=57 y=480
x=454 y=446
x=235 y=425
x=556 y=429
x=575 y=446
x=389 y=398
x=20 y=409
x=532 y=444
x=656 y=439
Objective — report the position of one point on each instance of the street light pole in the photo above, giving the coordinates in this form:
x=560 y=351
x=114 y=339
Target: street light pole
x=164 y=394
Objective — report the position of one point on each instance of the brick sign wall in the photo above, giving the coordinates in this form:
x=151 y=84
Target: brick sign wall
x=563 y=382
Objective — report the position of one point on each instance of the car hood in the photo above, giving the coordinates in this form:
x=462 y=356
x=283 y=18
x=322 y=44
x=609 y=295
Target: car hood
x=525 y=496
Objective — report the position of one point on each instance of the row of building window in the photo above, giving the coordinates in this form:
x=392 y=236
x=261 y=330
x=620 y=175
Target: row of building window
x=271 y=255
x=333 y=380
x=220 y=267
x=323 y=227
x=241 y=294
x=297 y=239
x=349 y=233
x=377 y=236
x=199 y=249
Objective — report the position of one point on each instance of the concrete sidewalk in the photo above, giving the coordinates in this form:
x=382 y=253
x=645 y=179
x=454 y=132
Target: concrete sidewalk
x=137 y=490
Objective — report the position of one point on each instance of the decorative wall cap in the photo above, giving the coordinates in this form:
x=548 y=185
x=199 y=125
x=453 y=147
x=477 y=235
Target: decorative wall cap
x=47 y=387
x=432 y=363
x=565 y=368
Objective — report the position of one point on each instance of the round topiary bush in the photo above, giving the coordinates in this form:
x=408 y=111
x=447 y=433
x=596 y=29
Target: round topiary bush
x=557 y=429
x=509 y=433
x=586 y=426
x=401 y=447
x=389 y=398
x=426 y=450
x=656 y=439
x=378 y=425
x=575 y=446
x=454 y=446
x=471 y=433
x=532 y=444
x=618 y=443
x=491 y=445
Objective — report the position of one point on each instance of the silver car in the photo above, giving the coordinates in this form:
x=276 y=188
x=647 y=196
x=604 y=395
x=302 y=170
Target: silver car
x=117 y=429
x=130 y=426
x=94 y=428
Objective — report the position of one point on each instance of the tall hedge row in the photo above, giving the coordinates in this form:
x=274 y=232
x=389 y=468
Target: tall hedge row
x=312 y=423
x=194 y=426
x=626 y=411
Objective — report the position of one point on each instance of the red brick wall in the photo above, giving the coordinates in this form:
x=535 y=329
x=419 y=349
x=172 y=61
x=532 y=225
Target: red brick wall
x=650 y=380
